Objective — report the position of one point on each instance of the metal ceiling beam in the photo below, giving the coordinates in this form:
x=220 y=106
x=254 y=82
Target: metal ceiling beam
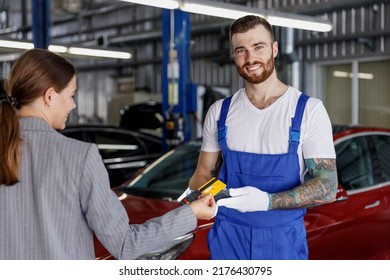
x=327 y=7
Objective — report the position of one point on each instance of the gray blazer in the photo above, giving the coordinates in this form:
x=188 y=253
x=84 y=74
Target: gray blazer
x=63 y=197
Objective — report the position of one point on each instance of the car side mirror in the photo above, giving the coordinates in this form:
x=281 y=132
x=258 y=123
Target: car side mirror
x=341 y=194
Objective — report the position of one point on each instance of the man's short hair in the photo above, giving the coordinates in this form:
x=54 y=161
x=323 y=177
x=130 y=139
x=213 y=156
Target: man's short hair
x=248 y=22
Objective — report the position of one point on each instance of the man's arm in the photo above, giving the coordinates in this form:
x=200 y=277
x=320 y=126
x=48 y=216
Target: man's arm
x=321 y=189
x=207 y=168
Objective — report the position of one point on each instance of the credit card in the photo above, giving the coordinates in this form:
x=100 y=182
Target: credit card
x=213 y=187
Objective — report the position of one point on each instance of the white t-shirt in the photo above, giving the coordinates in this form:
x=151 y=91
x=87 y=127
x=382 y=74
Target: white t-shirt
x=266 y=131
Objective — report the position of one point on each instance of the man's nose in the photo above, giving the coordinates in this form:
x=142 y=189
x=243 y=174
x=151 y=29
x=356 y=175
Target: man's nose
x=249 y=56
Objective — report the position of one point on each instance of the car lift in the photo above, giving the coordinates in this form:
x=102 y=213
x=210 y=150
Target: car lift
x=178 y=94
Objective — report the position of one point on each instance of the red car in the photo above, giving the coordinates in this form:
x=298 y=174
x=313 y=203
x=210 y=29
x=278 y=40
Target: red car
x=356 y=226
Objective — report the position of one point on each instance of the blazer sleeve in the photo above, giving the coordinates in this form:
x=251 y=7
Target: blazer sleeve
x=108 y=219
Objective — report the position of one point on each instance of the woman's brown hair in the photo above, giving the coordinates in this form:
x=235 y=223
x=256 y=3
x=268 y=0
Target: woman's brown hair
x=32 y=74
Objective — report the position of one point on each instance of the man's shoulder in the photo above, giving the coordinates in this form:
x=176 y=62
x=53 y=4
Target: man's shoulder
x=294 y=94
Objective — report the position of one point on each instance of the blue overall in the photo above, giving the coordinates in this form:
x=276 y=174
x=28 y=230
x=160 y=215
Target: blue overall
x=269 y=235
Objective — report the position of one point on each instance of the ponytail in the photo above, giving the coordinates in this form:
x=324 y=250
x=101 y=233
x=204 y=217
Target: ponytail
x=9 y=142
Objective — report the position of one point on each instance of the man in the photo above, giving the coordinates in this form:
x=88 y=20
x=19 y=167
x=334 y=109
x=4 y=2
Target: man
x=268 y=135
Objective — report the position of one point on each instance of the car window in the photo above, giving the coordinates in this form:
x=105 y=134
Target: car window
x=354 y=165
x=113 y=144
x=168 y=176
x=382 y=145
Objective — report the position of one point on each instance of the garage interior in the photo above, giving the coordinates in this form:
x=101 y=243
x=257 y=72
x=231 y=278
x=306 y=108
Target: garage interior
x=346 y=67
x=173 y=62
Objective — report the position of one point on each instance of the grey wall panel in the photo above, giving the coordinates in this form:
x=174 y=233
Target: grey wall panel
x=359 y=32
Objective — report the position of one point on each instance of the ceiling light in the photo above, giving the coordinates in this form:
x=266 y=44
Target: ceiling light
x=16 y=45
x=232 y=11
x=98 y=53
x=58 y=49
x=165 y=4
x=343 y=74
x=71 y=50
x=299 y=23
x=212 y=10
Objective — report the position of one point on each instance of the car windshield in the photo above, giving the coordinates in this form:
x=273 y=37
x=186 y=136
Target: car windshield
x=167 y=177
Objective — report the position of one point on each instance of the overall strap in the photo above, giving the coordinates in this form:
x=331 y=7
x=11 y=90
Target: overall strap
x=222 y=129
x=295 y=129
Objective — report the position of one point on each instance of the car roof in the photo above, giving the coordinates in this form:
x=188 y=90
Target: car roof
x=89 y=127
x=340 y=131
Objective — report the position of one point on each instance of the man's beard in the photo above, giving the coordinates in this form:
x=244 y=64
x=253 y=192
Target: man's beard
x=268 y=68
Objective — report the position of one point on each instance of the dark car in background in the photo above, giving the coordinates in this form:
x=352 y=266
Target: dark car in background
x=143 y=117
x=355 y=226
x=123 y=151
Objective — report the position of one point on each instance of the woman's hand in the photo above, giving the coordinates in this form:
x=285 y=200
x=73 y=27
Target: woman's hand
x=205 y=207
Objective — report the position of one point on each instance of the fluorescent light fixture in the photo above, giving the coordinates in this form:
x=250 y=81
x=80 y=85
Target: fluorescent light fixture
x=98 y=53
x=165 y=4
x=343 y=74
x=58 y=49
x=71 y=50
x=232 y=11
x=215 y=11
x=16 y=45
x=299 y=23
x=117 y=147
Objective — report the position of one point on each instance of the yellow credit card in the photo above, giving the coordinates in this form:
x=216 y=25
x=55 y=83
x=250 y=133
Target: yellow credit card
x=212 y=186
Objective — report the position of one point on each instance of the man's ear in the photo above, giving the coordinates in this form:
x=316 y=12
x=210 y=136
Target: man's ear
x=275 y=48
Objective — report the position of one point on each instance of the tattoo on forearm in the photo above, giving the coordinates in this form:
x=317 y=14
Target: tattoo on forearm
x=319 y=190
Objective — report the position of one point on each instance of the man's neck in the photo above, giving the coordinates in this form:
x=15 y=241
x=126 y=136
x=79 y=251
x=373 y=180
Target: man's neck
x=264 y=94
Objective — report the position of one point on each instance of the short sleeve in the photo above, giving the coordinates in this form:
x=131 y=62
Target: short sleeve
x=318 y=137
x=210 y=129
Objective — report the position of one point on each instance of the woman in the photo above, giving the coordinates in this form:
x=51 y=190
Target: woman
x=54 y=191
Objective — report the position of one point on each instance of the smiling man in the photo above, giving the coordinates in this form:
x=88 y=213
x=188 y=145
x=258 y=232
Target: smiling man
x=269 y=135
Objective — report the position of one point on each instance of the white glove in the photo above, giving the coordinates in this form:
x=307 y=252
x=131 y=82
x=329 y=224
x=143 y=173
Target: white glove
x=184 y=194
x=246 y=199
